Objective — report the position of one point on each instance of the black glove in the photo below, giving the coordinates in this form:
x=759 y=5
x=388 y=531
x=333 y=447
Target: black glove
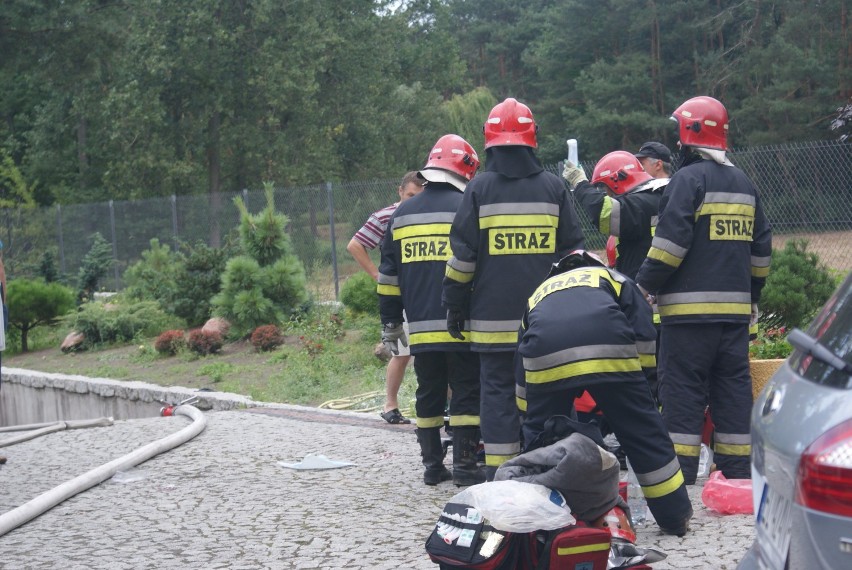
x=455 y=323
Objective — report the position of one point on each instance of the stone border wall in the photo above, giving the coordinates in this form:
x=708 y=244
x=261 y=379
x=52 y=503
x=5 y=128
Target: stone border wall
x=29 y=396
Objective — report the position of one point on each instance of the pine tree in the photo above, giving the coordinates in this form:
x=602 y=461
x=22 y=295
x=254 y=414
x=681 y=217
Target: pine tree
x=96 y=263
x=267 y=283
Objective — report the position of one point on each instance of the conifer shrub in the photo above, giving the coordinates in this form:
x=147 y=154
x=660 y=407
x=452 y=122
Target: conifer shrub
x=797 y=286
x=94 y=267
x=266 y=338
x=34 y=303
x=103 y=323
x=266 y=283
x=182 y=281
x=170 y=342
x=359 y=294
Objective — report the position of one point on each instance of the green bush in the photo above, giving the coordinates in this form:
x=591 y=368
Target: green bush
x=797 y=286
x=109 y=322
x=770 y=343
x=154 y=276
x=182 y=282
x=200 y=279
x=359 y=294
x=94 y=267
x=34 y=303
x=268 y=283
x=47 y=267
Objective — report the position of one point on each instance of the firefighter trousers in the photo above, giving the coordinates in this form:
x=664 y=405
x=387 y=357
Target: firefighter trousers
x=701 y=364
x=501 y=422
x=437 y=370
x=633 y=416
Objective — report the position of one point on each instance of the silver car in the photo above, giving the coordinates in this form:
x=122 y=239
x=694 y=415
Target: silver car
x=801 y=459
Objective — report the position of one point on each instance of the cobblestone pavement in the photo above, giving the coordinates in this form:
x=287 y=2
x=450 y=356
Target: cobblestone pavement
x=222 y=501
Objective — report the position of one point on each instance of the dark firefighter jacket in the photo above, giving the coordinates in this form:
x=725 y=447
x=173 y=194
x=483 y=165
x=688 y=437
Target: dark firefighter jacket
x=631 y=217
x=711 y=251
x=584 y=327
x=415 y=251
x=507 y=233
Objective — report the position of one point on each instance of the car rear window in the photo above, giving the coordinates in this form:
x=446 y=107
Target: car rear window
x=833 y=329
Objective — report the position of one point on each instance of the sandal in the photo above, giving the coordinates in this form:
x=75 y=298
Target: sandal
x=394 y=416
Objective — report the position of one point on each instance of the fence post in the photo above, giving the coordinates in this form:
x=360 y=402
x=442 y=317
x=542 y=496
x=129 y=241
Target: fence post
x=330 y=194
x=61 y=242
x=114 y=244
x=174 y=220
x=245 y=197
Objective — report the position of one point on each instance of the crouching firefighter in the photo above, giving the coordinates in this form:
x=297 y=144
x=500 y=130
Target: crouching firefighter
x=415 y=251
x=587 y=327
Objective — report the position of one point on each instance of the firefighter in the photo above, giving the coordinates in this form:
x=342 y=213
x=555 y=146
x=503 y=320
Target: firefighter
x=415 y=251
x=587 y=327
x=515 y=220
x=707 y=265
x=622 y=200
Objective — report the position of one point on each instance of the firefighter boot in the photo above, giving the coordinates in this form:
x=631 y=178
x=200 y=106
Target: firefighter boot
x=465 y=470
x=433 y=456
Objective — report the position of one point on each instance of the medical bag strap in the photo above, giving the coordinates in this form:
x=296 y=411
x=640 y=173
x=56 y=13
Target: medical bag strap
x=544 y=556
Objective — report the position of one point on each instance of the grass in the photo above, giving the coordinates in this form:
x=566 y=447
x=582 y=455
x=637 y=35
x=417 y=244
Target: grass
x=326 y=356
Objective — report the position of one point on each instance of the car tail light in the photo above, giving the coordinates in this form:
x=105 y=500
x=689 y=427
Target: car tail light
x=824 y=480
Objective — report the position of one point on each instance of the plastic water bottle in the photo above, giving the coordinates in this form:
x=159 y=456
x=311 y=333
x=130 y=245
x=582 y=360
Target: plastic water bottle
x=573 y=155
x=635 y=498
x=705 y=460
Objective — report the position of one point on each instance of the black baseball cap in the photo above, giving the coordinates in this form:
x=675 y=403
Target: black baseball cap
x=655 y=150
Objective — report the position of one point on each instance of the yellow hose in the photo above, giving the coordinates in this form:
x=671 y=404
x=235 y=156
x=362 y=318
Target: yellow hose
x=361 y=403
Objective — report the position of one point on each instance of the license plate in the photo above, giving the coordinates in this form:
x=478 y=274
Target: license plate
x=773 y=525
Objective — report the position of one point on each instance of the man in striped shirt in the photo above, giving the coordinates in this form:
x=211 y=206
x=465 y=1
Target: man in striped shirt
x=369 y=237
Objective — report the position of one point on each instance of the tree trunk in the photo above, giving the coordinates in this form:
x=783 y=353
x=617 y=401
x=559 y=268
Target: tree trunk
x=658 y=97
x=214 y=172
x=82 y=157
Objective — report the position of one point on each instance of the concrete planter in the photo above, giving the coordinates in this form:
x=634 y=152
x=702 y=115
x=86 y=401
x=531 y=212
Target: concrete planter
x=761 y=372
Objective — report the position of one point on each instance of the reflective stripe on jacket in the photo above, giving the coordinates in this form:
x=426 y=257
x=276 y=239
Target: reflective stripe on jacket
x=587 y=326
x=710 y=255
x=631 y=217
x=505 y=236
x=415 y=251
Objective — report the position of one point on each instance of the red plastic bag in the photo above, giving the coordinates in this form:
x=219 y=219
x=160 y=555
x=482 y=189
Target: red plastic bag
x=728 y=496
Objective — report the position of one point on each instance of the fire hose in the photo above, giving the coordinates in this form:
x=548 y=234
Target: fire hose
x=46 y=501
x=37 y=430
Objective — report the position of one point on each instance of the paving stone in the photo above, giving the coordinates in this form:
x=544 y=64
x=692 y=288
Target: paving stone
x=222 y=501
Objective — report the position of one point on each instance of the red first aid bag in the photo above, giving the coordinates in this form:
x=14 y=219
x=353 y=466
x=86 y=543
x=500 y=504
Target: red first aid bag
x=575 y=547
x=463 y=539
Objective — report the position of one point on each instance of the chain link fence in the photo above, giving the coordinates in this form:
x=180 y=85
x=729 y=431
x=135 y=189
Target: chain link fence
x=806 y=190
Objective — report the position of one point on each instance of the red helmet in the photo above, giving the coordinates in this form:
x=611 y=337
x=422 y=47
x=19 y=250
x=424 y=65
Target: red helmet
x=453 y=154
x=620 y=171
x=702 y=121
x=611 y=251
x=510 y=123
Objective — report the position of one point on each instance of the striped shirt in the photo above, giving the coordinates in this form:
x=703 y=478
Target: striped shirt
x=373 y=231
